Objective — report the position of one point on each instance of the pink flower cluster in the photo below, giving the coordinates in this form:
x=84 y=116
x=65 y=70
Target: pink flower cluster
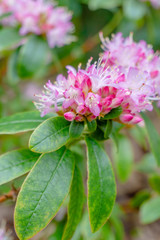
x=155 y=3
x=126 y=75
x=41 y=18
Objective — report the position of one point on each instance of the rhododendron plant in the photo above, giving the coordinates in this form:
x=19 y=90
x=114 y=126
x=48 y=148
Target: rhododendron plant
x=40 y=18
x=100 y=106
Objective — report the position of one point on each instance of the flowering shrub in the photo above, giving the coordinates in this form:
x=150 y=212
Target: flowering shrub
x=93 y=109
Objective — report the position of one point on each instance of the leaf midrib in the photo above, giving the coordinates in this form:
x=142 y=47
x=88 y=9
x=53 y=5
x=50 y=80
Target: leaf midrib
x=101 y=187
x=49 y=136
x=38 y=203
x=20 y=121
x=4 y=169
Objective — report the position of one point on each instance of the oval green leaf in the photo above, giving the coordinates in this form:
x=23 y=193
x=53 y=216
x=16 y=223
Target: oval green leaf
x=16 y=163
x=21 y=122
x=75 y=205
x=76 y=129
x=43 y=192
x=150 y=211
x=101 y=185
x=50 y=135
x=32 y=56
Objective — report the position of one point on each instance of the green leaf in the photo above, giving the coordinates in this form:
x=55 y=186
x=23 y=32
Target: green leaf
x=9 y=37
x=108 y=128
x=150 y=211
x=101 y=185
x=140 y=197
x=43 y=192
x=92 y=126
x=106 y=4
x=154 y=182
x=76 y=129
x=148 y=164
x=114 y=113
x=98 y=134
x=50 y=135
x=20 y=122
x=154 y=138
x=32 y=56
x=123 y=158
x=16 y=163
x=75 y=205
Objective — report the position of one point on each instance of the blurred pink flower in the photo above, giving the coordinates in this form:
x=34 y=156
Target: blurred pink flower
x=4 y=235
x=41 y=18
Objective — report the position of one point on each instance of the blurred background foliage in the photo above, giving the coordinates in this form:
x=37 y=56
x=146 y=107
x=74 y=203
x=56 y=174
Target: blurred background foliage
x=26 y=63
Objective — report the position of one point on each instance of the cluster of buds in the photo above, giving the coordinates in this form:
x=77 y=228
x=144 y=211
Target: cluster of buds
x=41 y=18
x=126 y=75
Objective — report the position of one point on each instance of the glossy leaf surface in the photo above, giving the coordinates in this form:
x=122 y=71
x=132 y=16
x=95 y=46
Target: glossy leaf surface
x=101 y=185
x=43 y=192
x=50 y=135
x=21 y=122
x=75 y=205
x=16 y=163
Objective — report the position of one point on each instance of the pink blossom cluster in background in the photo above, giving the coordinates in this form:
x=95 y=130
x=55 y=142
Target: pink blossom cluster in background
x=3 y=234
x=126 y=75
x=41 y=18
x=155 y=3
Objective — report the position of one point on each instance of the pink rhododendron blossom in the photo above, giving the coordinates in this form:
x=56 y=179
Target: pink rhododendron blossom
x=93 y=92
x=126 y=53
x=6 y=6
x=41 y=18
